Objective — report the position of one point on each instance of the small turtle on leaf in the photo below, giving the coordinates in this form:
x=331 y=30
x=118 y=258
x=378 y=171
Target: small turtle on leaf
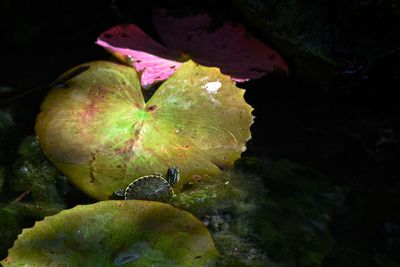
x=152 y=187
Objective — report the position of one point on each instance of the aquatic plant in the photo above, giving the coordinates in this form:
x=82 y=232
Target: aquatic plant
x=33 y=189
x=98 y=130
x=116 y=233
x=229 y=47
x=15 y=216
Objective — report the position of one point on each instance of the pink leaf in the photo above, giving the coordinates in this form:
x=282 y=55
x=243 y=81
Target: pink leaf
x=229 y=47
x=130 y=44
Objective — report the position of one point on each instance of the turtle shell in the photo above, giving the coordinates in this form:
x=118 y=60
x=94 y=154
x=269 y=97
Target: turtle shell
x=150 y=187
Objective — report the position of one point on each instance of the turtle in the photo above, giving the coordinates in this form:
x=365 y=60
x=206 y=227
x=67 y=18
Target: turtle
x=152 y=187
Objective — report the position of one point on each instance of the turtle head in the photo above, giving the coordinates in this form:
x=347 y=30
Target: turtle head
x=173 y=176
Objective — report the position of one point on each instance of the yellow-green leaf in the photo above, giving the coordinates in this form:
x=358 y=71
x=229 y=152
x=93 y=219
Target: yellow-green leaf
x=115 y=233
x=98 y=130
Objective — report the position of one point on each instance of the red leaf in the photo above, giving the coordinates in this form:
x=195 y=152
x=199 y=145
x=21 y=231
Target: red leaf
x=229 y=47
x=130 y=44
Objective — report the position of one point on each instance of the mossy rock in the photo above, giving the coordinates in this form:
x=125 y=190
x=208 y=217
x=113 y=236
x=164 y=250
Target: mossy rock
x=229 y=205
x=34 y=174
x=294 y=222
x=116 y=233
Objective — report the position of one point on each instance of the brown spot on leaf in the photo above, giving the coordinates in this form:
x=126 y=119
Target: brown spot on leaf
x=95 y=94
x=151 y=108
x=89 y=112
x=129 y=145
x=92 y=178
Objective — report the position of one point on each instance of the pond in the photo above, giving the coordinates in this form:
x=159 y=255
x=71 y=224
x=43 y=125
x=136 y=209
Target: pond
x=298 y=169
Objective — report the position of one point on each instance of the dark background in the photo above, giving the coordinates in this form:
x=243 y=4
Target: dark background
x=341 y=118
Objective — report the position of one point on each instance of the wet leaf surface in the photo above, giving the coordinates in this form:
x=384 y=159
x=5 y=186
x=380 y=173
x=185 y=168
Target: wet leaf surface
x=115 y=233
x=101 y=134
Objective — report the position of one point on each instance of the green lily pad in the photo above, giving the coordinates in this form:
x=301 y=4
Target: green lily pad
x=16 y=215
x=115 y=233
x=98 y=130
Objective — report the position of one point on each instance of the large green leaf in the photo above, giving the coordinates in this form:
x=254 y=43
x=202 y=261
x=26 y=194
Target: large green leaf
x=115 y=233
x=98 y=130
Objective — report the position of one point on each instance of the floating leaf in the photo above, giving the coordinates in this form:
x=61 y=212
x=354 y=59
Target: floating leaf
x=229 y=47
x=130 y=44
x=115 y=233
x=14 y=215
x=101 y=134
